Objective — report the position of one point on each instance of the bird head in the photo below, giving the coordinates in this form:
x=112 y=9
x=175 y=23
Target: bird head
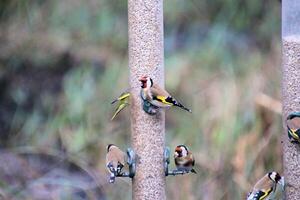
x=146 y=81
x=180 y=151
x=274 y=176
x=108 y=147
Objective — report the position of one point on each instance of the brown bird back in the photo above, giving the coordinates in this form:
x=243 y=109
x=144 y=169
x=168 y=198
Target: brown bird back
x=264 y=184
x=158 y=91
x=115 y=156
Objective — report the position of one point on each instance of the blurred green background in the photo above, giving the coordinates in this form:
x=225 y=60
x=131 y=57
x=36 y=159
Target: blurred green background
x=63 y=61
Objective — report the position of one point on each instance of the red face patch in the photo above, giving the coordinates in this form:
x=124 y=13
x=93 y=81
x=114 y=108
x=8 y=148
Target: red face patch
x=143 y=80
x=178 y=150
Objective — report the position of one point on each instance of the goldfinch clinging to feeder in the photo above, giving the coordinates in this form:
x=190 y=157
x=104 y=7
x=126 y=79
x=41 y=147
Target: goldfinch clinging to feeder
x=157 y=96
x=184 y=159
x=265 y=188
x=293 y=126
x=123 y=100
x=115 y=161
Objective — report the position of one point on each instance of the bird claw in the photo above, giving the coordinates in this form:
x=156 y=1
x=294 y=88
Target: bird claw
x=123 y=174
x=112 y=179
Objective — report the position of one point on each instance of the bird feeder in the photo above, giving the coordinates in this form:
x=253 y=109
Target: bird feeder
x=290 y=90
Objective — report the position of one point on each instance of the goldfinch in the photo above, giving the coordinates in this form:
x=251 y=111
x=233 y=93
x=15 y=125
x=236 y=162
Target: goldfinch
x=156 y=95
x=265 y=188
x=123 y=100
x=115 y=161
x=293 y=126
x=184 y=159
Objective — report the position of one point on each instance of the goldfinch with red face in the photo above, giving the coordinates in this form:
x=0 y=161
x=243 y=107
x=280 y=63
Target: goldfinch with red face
x=115 y=161
x=265 y=188
x=184 y=159
x=158 y=96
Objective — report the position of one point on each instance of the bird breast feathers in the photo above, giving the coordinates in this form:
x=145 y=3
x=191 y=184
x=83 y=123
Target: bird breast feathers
x=185 y=160
x=181 y=160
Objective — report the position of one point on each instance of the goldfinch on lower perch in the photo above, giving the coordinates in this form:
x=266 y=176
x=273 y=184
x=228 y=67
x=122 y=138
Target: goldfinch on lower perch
x=115 y=161
x=184 y=159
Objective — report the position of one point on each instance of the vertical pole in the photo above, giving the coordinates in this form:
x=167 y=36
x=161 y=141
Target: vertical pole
x=291 y=91
x=146 y=54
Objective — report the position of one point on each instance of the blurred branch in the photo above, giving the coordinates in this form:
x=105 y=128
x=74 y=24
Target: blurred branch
x=62 y=157
x=268 y=103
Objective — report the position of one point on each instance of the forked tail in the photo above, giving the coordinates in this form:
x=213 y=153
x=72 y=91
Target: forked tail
x=176 y=103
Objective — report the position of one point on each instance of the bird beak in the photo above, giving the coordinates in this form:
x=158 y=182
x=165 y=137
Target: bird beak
x=175 y=154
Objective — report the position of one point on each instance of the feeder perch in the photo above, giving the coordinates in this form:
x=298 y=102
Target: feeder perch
x=167 y=160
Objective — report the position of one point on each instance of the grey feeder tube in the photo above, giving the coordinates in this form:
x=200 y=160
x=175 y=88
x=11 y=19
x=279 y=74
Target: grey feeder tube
x=146 y=57
x=291 y=92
